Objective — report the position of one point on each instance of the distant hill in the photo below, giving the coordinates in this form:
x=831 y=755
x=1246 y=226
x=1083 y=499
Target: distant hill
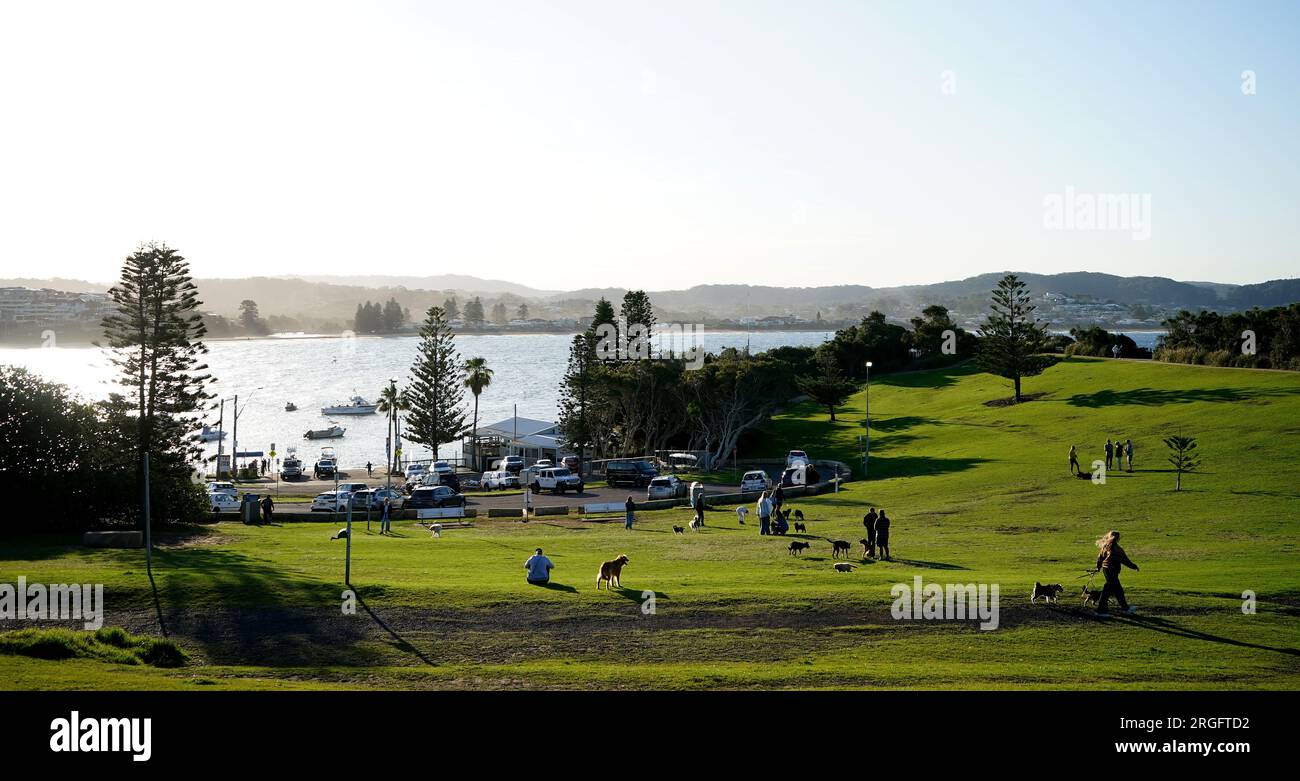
x=439 y=282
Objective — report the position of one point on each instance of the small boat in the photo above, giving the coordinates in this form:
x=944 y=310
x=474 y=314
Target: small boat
x=291 y=407
x=210 y=434
x=355 y=406
x=333 y=432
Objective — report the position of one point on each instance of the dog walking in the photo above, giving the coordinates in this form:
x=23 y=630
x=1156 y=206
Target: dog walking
x=741 y=512
x=1110 y=558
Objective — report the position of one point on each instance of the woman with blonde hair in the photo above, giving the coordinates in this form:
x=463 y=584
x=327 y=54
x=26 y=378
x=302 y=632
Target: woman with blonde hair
x=1110 y=558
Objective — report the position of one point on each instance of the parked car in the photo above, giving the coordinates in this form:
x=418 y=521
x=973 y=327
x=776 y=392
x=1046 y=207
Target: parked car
x=442 y=467
x=502 y=480
x=324 y=469
x=291 y=469
x=221 y=502
x=330 y=502
x=512 y=464
x=353 y=487
x=470 y=484
x=755 y=480
x=223 y=488
x=374 y=498
x=557 y=480
x=572 y=463
x=797 y=457
x=634 y=473
x=426 y=498
x=668 y=487
x=543 y=463
x=415 y=471
x=438 y=478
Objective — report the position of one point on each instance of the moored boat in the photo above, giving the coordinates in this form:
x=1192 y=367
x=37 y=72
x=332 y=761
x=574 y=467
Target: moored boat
x=333 y=432
x=355 y=406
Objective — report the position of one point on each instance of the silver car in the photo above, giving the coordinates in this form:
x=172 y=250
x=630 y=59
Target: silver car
x=666 y=487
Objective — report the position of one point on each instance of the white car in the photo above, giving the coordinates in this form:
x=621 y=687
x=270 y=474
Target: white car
x=330 y=502
x=797 y=458
x=556 y=480
x=492 y=481
x=415 y=471
x=375 y=498
x=221 y=502
x=223 y=488
x=544 y=463
x=755 y=480
x=442 y=467
x=353 y=487
x=667 y=487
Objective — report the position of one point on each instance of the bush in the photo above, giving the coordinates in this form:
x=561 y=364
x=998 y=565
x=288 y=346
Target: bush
x=107 y=644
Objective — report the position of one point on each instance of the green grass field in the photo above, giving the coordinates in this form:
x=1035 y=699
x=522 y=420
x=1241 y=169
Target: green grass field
x=978 y=494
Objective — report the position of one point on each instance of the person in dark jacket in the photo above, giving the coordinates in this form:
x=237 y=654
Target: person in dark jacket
x=1110 y=558
x=268 y=507
x=631 y=509
x=699 y=508
x=882 y=535
x=1110 y=454
x=869 y=522
x=778 y=498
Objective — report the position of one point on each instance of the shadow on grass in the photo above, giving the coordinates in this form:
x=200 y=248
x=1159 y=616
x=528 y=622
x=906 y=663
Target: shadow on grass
x=635 y=594
x=551 y=585
x=1151 y=397
x=916 y=466
x=1165 y=626
x=399 y=641
x=928 y=564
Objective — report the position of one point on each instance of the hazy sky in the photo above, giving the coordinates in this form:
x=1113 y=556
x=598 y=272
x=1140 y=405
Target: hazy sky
x=656 y=145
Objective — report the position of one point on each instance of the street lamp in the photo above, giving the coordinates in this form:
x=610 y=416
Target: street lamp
x=234 y=437
x=866 y=450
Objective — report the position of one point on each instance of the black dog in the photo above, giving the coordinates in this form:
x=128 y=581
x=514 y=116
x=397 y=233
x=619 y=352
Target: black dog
x=798 y=515
x=838 y=547
x=1050 y=592
x=798 y=547
x=799 y=527
x=678 y=530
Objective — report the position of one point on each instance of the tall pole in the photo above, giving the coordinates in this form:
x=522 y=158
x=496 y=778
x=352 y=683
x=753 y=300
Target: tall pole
x=866 y=451
x=347 y=554
x=392 y=439
x=234 y=441
x=221 y=435
x=148 y=537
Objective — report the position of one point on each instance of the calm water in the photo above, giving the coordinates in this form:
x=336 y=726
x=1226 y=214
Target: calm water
x=314 y=372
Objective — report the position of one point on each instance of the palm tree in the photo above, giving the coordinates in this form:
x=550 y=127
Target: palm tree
x=391 y=402
x=477 y=377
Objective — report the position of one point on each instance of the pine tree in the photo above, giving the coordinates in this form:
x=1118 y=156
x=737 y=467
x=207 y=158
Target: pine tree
x=1011 y=339
x=604 y=315
x=156 y=337
x=451 y=308
x=474 y=311
x=1183 y=457
x=829 y=388
x=577 y=394
x=394 y=316
x=523 y=312
x=499 y=314
x=435 y=394
x=636 y=310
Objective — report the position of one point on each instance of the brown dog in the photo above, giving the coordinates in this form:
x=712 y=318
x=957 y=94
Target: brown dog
x=610 y=573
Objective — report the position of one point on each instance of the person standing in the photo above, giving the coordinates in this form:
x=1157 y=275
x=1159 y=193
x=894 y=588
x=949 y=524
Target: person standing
x=268 y=508
x=869 y=522
x=1110 y=454
x=370 y=469
x=1074 y=461
x=699 y=509
x=764 y=513
x=385 y=515
x=778 y=498
x=1115 y=351
x=631 y=508
x=1128 y=453
x=1110 y=558
x=882 y=535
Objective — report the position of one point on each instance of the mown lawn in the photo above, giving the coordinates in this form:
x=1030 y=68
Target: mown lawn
x=978 y=494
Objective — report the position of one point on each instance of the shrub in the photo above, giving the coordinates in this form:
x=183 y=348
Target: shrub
x=107 y=644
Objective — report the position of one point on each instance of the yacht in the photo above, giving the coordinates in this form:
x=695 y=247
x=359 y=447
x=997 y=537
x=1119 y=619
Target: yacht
x=356 y=406
x=333 y=432
x=210 y=434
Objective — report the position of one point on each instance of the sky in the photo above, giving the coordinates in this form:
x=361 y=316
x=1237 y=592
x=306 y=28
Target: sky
x=653 y=145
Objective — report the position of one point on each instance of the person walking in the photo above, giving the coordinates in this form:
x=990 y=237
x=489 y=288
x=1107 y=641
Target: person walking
x=1128 y=453
x=385 y=515
x=631 y=508
x=1074 y=461
x=699 y=509
x=869 y=521
x=1115 y=350
x=1110 y=558
x=1110 y=454
x=764 y=513
x=370 y=469
x=268 y=508
x=882 y=536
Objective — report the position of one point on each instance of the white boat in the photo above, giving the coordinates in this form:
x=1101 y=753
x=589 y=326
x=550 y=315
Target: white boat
x=356 y=406
x=333 y=432
x=210 y=434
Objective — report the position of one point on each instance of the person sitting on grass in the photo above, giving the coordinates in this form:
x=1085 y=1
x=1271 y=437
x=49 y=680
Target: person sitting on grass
x=539 y=568
x=1110 y=558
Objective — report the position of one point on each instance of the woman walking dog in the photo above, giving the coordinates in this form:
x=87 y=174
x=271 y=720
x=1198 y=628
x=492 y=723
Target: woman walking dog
x=1110 y=558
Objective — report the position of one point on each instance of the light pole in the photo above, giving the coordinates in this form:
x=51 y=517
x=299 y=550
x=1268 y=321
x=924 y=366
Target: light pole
x=234 y=436
x=866 y=451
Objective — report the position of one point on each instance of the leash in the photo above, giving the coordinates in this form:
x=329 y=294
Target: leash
x=1090 y=574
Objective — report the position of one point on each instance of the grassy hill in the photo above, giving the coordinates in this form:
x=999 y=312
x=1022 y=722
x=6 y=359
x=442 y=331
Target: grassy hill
x=979 y=494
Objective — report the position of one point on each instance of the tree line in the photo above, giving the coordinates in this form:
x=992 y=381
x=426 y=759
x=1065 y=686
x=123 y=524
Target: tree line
x=375 y=318
x=1257 y=338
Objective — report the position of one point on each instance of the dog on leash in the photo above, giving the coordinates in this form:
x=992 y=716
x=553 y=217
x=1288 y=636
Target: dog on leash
x=843 y=566
x=1050 y=592
x=678 y=530
x=797 y=547
x=799 y=528
x=838 y=547
x=1091 y=597
x=610 y=572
